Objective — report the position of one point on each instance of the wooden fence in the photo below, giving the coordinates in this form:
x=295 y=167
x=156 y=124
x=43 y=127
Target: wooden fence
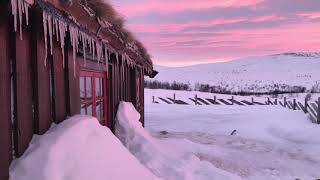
x=309 y=107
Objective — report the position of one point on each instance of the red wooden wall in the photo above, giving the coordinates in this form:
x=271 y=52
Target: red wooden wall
x=5 y=94
x=42 y=96
x=46 y=94
x=23 y=83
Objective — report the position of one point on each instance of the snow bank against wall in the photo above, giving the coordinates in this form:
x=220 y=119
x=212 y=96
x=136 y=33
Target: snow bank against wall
x=78 y=149
x=169 y=163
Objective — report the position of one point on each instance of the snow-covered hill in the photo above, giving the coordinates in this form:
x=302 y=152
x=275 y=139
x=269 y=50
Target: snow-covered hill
x=259 y=74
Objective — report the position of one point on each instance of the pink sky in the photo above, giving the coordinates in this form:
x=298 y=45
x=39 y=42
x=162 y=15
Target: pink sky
x=186 y=32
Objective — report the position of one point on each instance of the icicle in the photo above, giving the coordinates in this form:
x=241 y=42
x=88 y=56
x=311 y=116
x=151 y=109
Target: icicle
x=62 y=33
x=84 y=45
x=45 y=31
x=26 y=10
x=122 y=65
x=50 y=33
x=93 y=48
x=73 y=38
x=109 y=56
x=117 y=57
x=53 y=26
x=106 y=56
x=57 y=28
x=20 y=9
x=99 y=52
x=90 y=45
x=14 y=13
x=77 y=39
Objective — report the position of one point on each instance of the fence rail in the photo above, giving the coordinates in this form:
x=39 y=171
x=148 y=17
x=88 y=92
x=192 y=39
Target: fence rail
x=309 y=107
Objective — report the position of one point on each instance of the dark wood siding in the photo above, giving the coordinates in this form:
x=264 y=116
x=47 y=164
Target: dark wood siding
x=42 y=96
x=59 y=83
x=73 y=97
x=5 y=120
x=23 y=84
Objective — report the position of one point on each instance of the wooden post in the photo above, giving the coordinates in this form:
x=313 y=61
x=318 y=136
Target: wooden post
x=294 y=104
x=276 y=102
x=285 y=102
x=196 y=99
x=153 y=99
x=268 y=101
x=318 y=114
x=305 y=105
x=232 y=100
x=174 y=98
x=215 y=99
x=252 y=100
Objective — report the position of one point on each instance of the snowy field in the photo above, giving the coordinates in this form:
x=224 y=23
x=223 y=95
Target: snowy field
x=269 y=142
x=253 y=74
x=185 y=95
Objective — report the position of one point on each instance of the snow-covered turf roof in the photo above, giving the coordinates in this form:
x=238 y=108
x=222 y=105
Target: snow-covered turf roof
x=93 y=23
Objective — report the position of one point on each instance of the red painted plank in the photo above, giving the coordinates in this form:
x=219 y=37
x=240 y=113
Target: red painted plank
x=5 y=120
x=74 y=84
x=43 y=110
x=24 y=91
x=59 y=84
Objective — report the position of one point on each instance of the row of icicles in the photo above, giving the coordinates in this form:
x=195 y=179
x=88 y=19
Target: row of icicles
x=54 y=26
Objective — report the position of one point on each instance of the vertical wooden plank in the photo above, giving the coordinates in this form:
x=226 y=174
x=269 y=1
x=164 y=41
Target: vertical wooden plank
x=127 y=84
x=42 y=96
x=73 y=88
x=305 y=105
x=318 y=111
x=111 y=96
x=120 y=82
x=58 y=84
x=142 y=99
x=24 y=92
x=5 y=94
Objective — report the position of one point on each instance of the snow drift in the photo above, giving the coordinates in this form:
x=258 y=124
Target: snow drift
x=78 y=149
x=169 y=163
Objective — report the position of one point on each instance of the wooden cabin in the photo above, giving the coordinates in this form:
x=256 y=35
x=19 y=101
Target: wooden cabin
x=58 y=58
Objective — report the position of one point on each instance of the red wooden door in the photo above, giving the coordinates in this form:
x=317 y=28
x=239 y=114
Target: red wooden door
x=93 y=95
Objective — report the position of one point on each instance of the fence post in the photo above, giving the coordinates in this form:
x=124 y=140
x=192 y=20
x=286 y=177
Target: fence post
x=318 y=117
x=294 y=104
x=285 y=102
x=252 y=100
x=232 y=100
x=268 y=101
x=174 y=98
x=153 y=99
x=196 y=99
x=215 y=99
x=276 y=102
x=305 y=106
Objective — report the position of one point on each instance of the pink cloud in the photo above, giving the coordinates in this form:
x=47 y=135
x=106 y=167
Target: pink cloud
x=166 y=6
x=313 y=15
x=224 y=37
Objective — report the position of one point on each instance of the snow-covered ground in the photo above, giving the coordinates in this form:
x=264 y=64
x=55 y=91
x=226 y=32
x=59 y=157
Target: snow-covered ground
x=179 y=143
x=78 y=149
x=269 y=142
x=255 y=74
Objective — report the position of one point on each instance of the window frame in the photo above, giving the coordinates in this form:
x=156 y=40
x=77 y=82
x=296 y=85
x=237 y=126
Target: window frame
x=85 y=73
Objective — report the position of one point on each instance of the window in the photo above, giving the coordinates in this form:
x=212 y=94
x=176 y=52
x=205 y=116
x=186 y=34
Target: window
x=93 y=94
